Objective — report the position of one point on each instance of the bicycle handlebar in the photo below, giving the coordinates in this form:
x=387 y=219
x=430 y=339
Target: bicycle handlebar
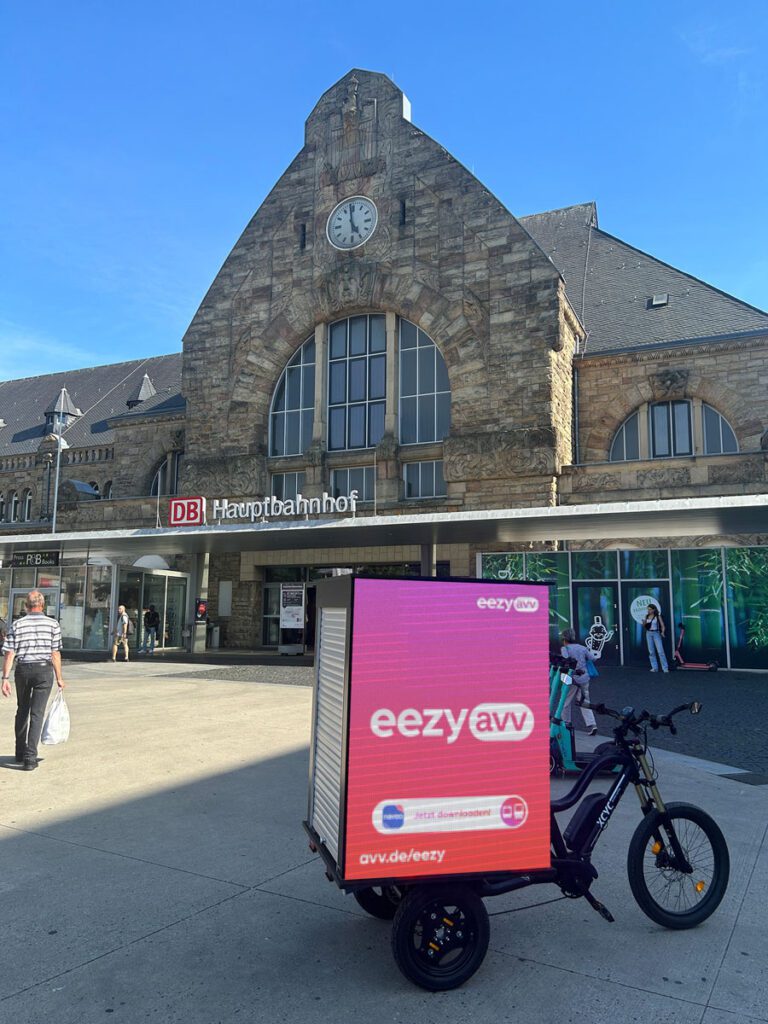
x=630 y=720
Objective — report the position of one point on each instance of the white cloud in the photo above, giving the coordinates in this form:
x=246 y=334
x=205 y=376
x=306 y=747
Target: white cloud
x=29 y=353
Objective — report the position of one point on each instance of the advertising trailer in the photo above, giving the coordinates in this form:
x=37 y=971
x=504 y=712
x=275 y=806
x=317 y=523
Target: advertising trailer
x=430 y=744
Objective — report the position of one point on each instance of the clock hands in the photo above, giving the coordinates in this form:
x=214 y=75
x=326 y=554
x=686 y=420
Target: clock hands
x=352 y=226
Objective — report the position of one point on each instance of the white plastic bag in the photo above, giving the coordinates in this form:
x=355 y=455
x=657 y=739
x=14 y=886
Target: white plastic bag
x=56 y=726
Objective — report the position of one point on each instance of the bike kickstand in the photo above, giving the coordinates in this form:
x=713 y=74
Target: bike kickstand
x=602 y=910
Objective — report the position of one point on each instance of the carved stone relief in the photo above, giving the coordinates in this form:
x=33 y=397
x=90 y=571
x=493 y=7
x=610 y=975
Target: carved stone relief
x=225 y=475
x=668 y=384
x=663 y=478
x=504 y=453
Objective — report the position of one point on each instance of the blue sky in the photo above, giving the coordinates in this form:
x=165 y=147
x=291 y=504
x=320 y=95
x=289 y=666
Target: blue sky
x=139 y=139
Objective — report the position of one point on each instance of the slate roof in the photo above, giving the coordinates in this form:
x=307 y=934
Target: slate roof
x=100 y=392
x=609 y=284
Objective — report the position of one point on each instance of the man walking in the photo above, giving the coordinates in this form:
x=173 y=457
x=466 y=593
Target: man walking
x=121 y=632
x=34 y=641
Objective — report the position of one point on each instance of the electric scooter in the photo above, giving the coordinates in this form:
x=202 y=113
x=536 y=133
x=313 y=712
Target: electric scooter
x=679 y=661
x=564 y=758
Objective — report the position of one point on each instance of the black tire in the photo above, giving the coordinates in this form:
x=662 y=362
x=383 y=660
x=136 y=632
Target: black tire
x=669 y=896
x=379 y=901
x=440 y=935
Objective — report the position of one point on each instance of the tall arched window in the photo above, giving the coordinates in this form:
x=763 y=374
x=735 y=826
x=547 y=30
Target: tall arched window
x=357 y=382
x=363 y=361
x=425 y=394
x=293 y=404
x=2 y=507
x=107 y=492
x=26 y=506
x=13 y=516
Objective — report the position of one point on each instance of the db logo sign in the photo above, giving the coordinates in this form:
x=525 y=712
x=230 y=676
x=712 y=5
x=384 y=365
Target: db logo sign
x=186 y=512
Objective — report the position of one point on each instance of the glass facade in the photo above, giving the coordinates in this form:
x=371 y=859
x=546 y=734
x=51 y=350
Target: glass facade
x=79 y=594
x=719 y=596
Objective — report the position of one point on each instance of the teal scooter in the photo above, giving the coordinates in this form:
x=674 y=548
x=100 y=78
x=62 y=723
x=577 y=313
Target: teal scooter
x=564 y=758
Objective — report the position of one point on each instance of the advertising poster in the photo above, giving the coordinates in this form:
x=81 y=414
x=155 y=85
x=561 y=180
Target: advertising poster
x=292 y=606
x=448 y=748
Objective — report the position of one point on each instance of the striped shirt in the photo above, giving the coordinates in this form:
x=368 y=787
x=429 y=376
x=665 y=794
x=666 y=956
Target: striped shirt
x=33 y=638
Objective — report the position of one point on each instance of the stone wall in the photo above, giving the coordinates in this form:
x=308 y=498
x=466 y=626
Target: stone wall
x=445 y=255
x=730 y=376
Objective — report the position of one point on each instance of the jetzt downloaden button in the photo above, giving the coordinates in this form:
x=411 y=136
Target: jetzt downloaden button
x=449 y=814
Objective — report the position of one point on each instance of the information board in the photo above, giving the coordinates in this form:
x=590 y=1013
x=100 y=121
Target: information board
x=448 y=744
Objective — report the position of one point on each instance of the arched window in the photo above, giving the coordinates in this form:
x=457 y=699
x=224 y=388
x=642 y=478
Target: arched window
x=293 y=404
x=671 y=432
x=26 y=506
x=361 y=359
x=357 y=382
x=14 y=508
x=107 y=492
x=626 y=442
x=2 y=507
x=166 y=478
x=95 y=486
x=425 y=394
x=719 y=438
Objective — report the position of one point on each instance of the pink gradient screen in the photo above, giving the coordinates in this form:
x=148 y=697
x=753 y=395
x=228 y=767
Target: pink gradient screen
x=448 y=744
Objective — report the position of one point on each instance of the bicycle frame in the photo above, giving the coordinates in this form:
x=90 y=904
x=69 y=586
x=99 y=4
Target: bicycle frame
x=572 y=869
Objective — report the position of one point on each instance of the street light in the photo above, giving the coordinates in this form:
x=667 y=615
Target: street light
x=61 y=405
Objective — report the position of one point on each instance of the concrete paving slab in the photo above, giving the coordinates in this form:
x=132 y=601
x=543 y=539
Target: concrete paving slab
x=262 y=958
x=173 y=815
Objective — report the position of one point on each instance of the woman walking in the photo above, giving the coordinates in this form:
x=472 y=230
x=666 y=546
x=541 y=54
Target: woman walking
x=655 y=630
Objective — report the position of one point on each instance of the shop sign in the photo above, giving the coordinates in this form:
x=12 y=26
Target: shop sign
x=275 y=508
x=292 y=606
x=192 y=511
x=34 y=560
x=448 y=755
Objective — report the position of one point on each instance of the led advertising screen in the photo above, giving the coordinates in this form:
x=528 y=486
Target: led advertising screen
x=448 y=742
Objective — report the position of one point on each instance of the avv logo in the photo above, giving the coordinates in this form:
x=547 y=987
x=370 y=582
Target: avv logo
x=494 y=722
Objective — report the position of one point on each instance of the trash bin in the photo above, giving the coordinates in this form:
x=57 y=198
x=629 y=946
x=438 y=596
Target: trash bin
x=215 y=636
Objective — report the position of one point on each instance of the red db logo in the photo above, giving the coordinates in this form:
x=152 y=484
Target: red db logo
x=186 y=512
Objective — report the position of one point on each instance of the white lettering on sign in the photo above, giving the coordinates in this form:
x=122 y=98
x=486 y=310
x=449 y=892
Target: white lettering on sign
x=270 y=507
x=487 y=722
x=508 y=604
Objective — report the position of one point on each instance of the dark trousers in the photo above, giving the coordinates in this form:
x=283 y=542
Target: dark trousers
x=33 y=686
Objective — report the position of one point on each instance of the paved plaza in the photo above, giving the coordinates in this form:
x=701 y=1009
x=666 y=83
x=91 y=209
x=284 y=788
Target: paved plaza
x=155 y=869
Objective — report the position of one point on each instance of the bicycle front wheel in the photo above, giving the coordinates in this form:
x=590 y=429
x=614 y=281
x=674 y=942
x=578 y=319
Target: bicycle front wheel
x=678 y=866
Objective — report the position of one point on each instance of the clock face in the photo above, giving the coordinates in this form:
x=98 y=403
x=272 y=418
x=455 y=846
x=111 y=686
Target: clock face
x=352 y=222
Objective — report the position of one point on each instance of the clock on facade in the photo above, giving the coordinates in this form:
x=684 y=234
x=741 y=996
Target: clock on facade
x=352 y=222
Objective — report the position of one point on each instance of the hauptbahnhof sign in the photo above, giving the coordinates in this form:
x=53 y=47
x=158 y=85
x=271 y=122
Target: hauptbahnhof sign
x=193 y=511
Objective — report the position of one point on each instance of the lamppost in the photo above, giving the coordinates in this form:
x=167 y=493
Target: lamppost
x=59 y=410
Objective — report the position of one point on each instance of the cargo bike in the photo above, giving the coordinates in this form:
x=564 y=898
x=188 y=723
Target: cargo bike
x=677 y=860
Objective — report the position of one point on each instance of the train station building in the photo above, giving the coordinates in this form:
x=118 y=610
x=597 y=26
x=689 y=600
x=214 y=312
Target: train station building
x=394 y=373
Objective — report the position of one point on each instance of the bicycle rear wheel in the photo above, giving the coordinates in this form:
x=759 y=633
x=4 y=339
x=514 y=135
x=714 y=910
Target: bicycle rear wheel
x=664 y=887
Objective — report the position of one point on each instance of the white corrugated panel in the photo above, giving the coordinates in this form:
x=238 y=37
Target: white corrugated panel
x=329 y=728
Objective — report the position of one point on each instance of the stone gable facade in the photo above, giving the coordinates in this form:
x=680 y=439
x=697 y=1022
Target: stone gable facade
x=535 y=408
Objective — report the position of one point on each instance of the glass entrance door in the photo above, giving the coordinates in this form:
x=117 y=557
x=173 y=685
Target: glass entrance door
x=596 y=618
x=167 y=592
x=635 y=598
x=17 y=607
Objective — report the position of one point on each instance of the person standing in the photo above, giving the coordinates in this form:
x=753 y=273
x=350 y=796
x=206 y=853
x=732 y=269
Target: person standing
x=151 y=625
x=655 y=631
x=34 y=642
x=121 y=632
x=579 y=688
